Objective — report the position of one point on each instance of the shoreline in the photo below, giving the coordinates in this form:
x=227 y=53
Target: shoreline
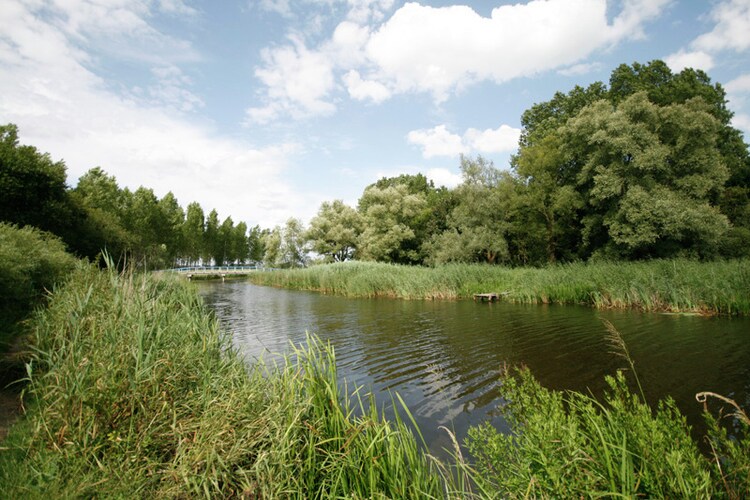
x=665 y=286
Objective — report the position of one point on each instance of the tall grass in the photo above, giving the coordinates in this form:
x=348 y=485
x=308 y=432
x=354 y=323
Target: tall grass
x=134 y=393
x=569 y=444
x=721 y=287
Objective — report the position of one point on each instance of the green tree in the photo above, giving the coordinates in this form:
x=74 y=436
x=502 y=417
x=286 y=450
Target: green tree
x=212 y=245
x=172 y=219
x=225 y=244
x=256 y=243
x=240 y=243
x=272 y=256
x=649 y=174
x=334 y=231
x=33 y=190
x=550 y=205
x=294 y=244
x=192 y=232
x=387 y=213
x=477 y=225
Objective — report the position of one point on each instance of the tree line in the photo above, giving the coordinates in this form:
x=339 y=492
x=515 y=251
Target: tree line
x=97 y=214
x=646 y=167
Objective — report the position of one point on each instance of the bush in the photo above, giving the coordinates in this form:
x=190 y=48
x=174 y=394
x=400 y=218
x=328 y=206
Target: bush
x=32 y=262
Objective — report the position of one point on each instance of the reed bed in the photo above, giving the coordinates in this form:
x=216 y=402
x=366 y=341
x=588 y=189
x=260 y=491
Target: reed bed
x=677 y=285
x=133 y=392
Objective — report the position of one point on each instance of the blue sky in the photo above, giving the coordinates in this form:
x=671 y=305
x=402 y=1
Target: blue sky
x=263 y=109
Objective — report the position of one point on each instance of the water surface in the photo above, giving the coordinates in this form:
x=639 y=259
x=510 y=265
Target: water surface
x=444 y=357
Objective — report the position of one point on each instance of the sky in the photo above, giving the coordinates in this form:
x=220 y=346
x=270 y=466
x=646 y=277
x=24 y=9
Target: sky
x=263 y=109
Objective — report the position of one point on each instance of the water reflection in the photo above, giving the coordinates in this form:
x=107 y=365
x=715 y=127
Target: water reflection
x=444 y=358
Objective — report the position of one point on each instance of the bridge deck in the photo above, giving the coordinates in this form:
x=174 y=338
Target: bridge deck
x=219 y=271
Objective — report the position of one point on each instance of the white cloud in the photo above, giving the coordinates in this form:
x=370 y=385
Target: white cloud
x=438 y=141
x=738 y=92
x=297 y=80
x=443 y=177
x=500 y=140
x=120 y=28
x=280 y=7
x=580 y=69
x=63 y=108
x=696 y=60
x=171 y=90
x=739 y=85
x=365 y=89
x=742 y=122
x=441 y=51
x=732 y=30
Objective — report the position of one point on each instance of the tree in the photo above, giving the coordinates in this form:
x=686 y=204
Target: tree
x=649 y=174
x=256 y=243
x=272 y=256
x=240 y=243
x=33 y=190
x=386 y=214
x=225 y=244
x=476 y=226
x=334 y=231
x=212 y=245
x=548 y=197
x=294 y=244
x=172 y=218
x=192 y=232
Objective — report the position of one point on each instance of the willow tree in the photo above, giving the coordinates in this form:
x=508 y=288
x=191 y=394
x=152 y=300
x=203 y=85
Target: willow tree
x=334 y=231
x=387 y=235
x=649 y=175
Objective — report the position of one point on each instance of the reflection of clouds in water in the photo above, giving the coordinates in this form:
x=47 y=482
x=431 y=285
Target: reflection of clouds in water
x=445 y=358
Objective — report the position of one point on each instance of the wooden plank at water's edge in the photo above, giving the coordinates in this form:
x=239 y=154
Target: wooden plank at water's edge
x=486 y=296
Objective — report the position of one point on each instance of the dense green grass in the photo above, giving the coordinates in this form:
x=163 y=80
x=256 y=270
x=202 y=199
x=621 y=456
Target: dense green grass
x=133 y=392
x=660 y=285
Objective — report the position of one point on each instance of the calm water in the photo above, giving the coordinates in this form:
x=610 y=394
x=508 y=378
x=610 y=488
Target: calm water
x=444 y=358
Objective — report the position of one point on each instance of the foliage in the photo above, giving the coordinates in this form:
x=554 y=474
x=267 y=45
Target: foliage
x=650 y=174
x=566 y=444
x=333 y=233
x=659 y=285
x=386 y=214
x=32 y=262
x=135 y=393
x=476 y=224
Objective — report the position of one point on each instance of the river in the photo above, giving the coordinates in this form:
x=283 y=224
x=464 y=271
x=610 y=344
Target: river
x=444 y=357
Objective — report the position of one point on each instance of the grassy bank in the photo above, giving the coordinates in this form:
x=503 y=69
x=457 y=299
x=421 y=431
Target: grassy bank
x=662 y=285
x=134 y=393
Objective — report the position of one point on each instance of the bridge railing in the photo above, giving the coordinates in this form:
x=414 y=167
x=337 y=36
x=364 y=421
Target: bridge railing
x=193 y=269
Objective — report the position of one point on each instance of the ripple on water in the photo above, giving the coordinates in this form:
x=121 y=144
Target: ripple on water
x=445 y=358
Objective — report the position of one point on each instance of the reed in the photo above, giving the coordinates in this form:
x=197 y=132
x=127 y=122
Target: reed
x=677 y=285
x=133 y=392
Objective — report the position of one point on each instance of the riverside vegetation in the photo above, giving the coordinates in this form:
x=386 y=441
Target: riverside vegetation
x=676 y=285
x=133 y=391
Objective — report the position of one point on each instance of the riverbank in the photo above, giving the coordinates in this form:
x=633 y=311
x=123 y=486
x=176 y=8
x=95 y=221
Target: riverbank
x=134 y=392
x=721 y=287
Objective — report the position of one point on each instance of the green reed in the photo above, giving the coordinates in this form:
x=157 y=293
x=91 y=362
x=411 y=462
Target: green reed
x=134 y=392
x=677 y=285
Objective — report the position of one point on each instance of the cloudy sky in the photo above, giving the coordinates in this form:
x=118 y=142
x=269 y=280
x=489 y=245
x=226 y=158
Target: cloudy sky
x=263 y=109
